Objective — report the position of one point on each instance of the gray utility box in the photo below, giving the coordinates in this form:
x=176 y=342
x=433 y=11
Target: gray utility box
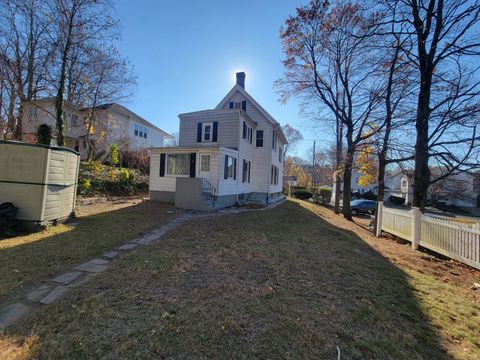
x=41 y=181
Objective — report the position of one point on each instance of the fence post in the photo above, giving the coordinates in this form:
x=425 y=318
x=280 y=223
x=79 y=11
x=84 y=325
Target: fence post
x=416 y=223
x=379 y=218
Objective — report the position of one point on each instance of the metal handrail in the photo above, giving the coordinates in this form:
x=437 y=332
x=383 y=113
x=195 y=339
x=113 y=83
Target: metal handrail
x=208 y=191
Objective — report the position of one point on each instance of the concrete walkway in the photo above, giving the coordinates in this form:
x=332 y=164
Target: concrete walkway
x=53 y=289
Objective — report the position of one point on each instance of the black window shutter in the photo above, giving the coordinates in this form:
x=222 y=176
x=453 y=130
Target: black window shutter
x=199 y=132
x=244 y=105
x=231 y=105
x=234 y=169
x=225 y=170
x=162 y=165
x=244 y=134
x=193 y=162
x=215 y=131
x=249 y=168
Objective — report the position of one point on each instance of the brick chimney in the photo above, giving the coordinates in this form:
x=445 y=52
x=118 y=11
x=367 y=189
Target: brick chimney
x=241 y=79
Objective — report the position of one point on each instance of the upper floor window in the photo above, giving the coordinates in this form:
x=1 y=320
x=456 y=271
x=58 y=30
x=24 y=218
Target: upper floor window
x=140 y=131
x=247 y=132
x=274 y=140
x=207 y=132
x=259 y=140
x=32 y=113
x=74 y=120
x=280 y=154
x=238 y=105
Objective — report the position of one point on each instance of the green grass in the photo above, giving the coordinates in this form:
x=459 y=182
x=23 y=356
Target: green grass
x=274 y=284
x=27 y=260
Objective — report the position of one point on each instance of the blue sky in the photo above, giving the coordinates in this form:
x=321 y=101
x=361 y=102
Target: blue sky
x=186 y=52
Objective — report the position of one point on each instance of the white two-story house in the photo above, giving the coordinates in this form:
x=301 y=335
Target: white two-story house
x=112 y=123
x=230 y=154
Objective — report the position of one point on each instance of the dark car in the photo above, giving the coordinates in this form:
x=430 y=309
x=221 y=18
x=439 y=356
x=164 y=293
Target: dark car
x=362 y=206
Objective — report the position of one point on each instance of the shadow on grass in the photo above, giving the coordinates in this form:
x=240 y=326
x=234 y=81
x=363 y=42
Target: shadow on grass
x=273 y=284
x=25 y=260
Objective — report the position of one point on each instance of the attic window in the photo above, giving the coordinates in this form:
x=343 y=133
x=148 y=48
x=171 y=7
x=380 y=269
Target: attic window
x=238 y=105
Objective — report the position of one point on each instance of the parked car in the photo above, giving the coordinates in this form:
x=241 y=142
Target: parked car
x=362 y=206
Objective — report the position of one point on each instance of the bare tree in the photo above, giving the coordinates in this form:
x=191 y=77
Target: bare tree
x=79 y=24
x=443 y=43
x=330 y=56
x=110 y=79
x=293 y=136
x=25 y=53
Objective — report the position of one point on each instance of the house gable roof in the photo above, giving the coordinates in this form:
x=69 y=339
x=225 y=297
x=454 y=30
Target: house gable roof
x=241 y=90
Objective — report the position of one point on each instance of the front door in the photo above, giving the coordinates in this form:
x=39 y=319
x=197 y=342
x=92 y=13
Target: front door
x=204 y=166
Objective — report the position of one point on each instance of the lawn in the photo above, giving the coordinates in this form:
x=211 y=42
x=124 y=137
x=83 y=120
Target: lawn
x=27 y=260
x=283 y=283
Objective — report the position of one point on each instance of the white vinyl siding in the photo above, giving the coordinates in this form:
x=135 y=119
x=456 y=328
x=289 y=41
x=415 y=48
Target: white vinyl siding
x=227 y=133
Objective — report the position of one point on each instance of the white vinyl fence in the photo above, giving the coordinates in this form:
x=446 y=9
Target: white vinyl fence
x=455 y=240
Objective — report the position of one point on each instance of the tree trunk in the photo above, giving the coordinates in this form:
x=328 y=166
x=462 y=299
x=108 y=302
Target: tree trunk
x=338 y=165
x=61 y=86
x=422 y=170
x=347 y=183
x=347 y=176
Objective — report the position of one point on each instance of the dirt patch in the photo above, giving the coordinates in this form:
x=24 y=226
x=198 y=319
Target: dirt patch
x=400 y=252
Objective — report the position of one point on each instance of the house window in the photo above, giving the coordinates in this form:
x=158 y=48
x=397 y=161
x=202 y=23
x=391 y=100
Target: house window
x=245 y=128
x=207 y=132
x=274 y=140
x=259 y=142
x=250 y=135
x=274 y=175
x=280 y=154
x=136 y=130
x=178 y=164
x=144 y=132
x=246 y=171
x=74 y=120
x=205 y=163
x=32 y=113
x=238 y=105
x=230 y=165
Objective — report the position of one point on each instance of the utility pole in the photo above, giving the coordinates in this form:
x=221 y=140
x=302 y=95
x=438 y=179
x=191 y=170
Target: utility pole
x=313 y=165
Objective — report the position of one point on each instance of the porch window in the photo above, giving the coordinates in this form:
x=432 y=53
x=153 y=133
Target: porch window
x=178 y=164
x=230 y=171
x=205 y=163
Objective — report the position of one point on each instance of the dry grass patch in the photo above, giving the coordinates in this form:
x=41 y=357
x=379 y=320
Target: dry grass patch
x=28 y=259
x=275 y=284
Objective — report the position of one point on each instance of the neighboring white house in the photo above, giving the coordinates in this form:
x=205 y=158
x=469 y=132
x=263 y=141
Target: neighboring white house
x=229 y=154
x=113 y=123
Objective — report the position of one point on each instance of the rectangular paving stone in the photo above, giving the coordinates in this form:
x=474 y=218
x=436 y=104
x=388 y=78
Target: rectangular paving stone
x=39 y=292
x=53 y=295
x=89 y=267
x=146 y=241
x=11 y=314
x=99 y=262
x=128 y=246
x=110 y=254
x=67 y=278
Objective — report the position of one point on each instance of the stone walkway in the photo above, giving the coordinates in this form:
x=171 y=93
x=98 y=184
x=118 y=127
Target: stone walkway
x=53 y=289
